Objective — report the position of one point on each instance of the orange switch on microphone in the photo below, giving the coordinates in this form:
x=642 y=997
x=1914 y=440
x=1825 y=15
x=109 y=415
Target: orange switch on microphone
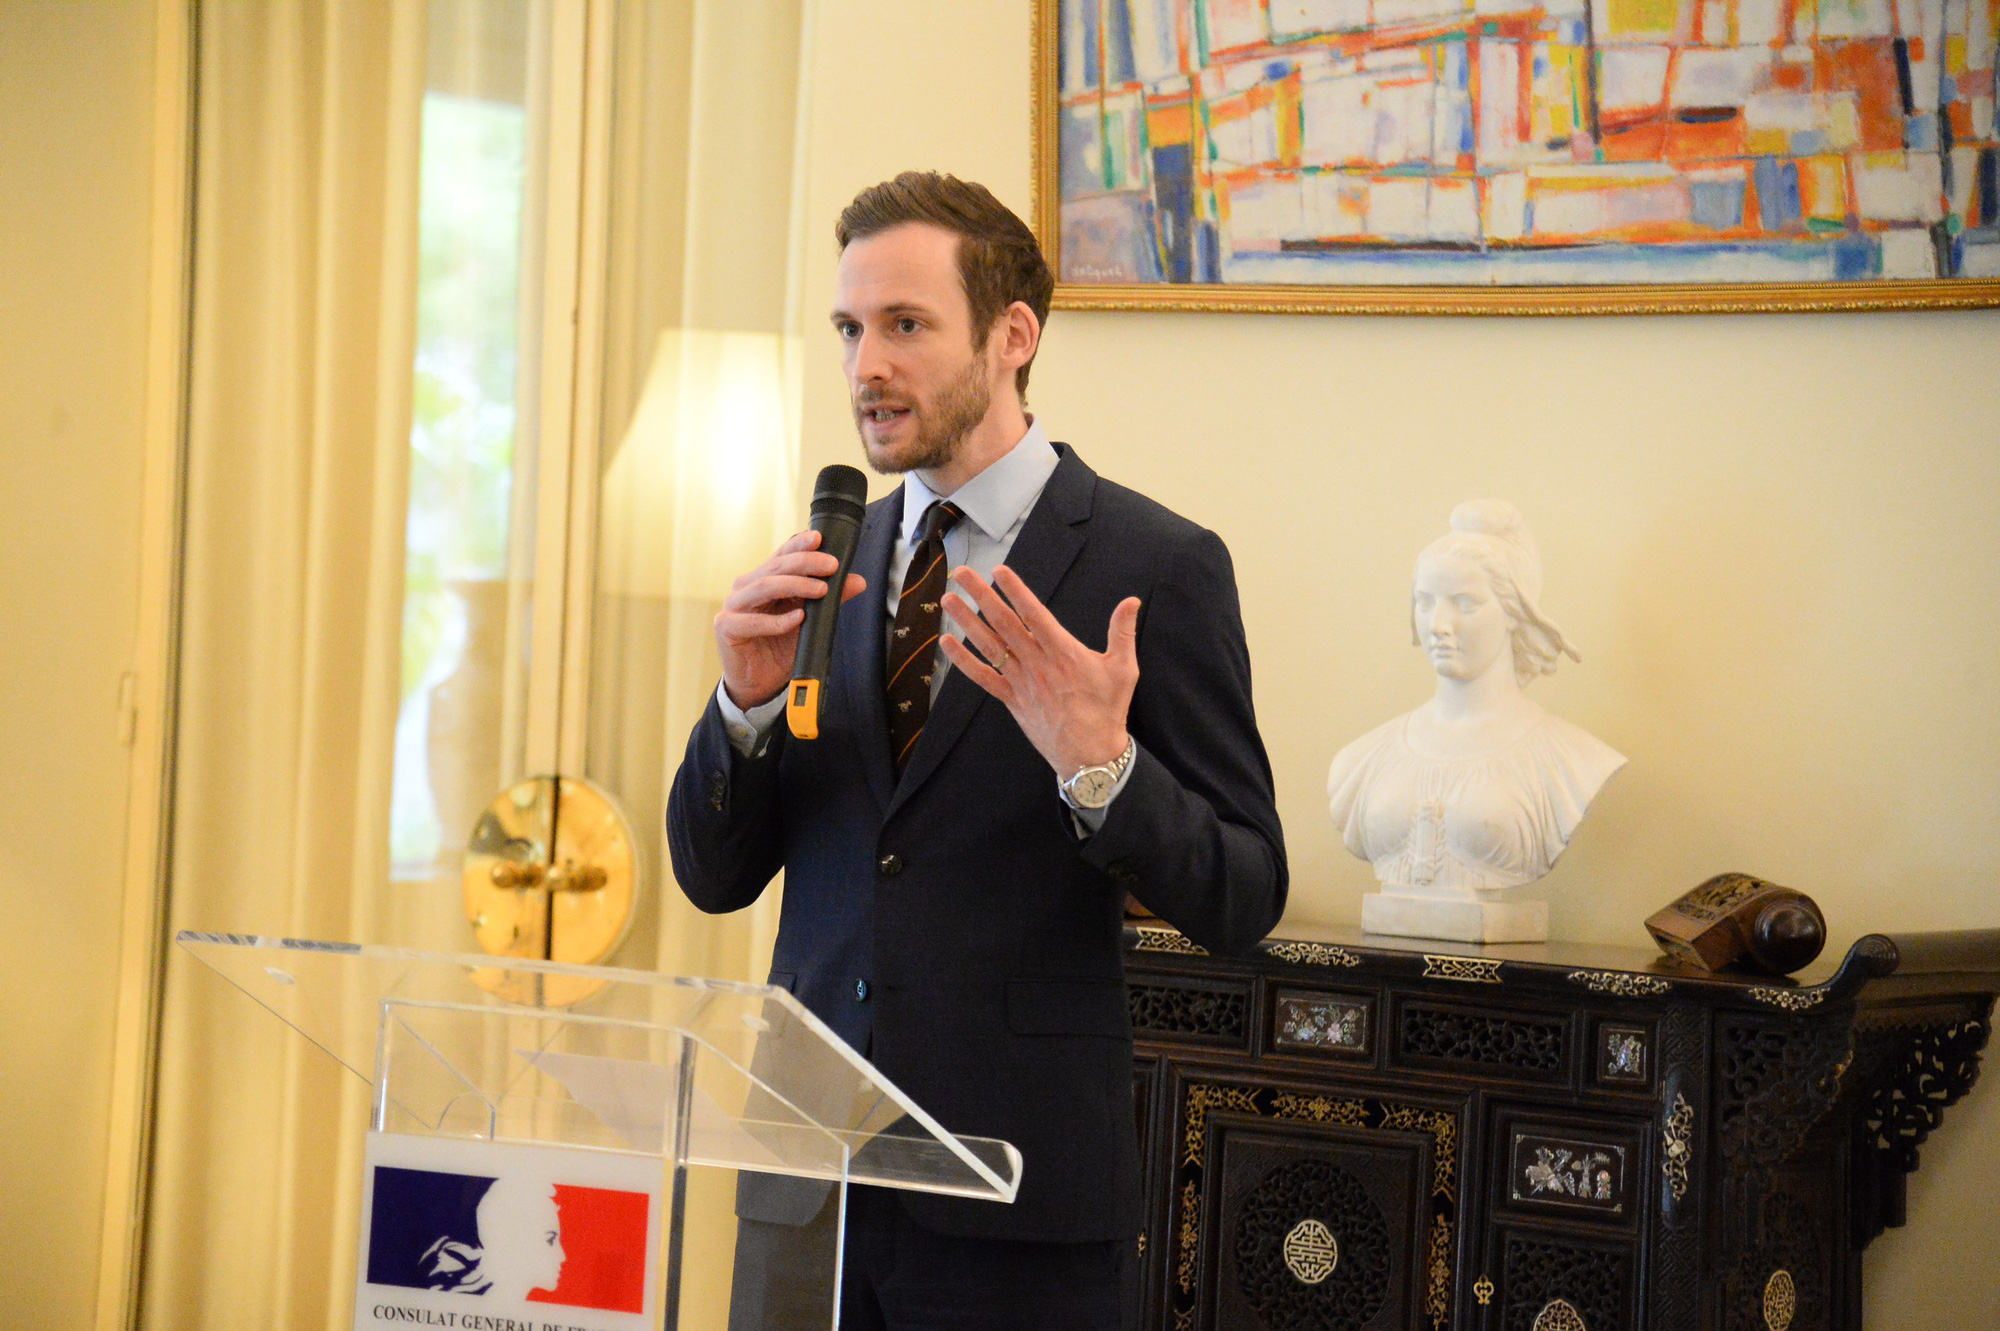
x=802 y=708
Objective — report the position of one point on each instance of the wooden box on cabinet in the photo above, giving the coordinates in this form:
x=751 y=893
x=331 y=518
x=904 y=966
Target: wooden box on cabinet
x=1356 y=1133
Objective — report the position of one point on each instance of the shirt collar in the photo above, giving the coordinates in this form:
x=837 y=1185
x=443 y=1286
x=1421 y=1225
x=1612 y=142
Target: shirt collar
x=996 y=498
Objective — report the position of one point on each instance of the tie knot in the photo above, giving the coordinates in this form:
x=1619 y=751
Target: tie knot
x=939 y=519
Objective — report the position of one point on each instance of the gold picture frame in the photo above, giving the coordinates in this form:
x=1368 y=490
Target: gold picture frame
x=1705 y=297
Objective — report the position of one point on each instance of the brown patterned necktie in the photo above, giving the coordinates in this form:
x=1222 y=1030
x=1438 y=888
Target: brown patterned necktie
x=913 y=643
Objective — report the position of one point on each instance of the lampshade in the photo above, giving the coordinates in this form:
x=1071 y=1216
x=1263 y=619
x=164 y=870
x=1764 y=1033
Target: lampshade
x=702 y=485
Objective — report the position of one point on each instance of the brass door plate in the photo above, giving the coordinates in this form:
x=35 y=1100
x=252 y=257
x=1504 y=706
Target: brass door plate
x=549 y=873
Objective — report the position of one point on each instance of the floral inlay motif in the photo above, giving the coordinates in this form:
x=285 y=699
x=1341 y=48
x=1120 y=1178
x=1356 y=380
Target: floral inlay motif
x=1313 y=954
x=1584 y=1175
x=1677 y=1148
x=1623 y=983
x=1791 y=1000
x=1320 y=1109
x=1322 y=1021
x=1158 y=938
x=1474 y=970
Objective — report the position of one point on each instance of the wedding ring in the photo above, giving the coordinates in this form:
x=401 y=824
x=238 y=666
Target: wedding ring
x=1000 y=661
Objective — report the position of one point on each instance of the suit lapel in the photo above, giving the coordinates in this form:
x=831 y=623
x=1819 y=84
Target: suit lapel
x=1048 y=544
x=858 y=638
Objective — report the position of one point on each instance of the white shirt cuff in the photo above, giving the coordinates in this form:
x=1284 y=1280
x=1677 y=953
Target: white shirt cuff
x=747 y=730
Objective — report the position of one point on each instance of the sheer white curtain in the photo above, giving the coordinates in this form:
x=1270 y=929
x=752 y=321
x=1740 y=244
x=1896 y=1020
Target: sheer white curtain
x=701 y=401
x=303 y=310
x=700 y=439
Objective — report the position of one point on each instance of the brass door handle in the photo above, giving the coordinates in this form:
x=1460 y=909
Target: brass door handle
x=550 y=874
x=568 y=876
x=510 y=875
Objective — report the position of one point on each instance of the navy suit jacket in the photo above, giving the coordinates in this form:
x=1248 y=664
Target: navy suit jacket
x=986 y=934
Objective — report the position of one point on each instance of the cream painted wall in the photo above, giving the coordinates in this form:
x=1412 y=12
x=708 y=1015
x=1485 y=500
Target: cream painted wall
x=1773 y=538
x=1784 y=599
x=76 y=101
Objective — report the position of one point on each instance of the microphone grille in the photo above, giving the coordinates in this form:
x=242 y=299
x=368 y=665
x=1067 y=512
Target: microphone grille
x=840 y=483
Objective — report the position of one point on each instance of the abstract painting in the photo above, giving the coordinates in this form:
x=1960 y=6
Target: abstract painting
x=1532 y=155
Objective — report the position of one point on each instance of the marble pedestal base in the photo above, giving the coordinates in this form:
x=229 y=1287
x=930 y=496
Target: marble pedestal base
x=1459 y=921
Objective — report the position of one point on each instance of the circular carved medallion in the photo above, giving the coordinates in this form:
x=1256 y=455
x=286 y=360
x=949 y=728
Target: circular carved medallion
x=1781 y=1300
x=1311 y=1251
x=1558 y=1315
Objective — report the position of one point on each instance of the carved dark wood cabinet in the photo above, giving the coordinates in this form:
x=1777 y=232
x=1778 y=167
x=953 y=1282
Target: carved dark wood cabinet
x=1354 y=1133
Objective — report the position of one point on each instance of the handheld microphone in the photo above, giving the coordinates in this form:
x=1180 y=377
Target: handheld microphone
x=840 y=499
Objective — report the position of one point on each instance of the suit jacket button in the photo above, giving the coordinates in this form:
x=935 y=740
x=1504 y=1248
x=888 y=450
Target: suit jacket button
x=890 y=865
x=861 y=991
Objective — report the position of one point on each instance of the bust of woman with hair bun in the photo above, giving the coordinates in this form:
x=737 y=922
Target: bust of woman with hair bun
x=1478 y=791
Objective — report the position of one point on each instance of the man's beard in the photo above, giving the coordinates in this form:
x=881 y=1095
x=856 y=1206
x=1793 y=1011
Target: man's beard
x=941 y=425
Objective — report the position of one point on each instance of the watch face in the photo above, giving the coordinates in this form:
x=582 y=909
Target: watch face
x=1092 y=788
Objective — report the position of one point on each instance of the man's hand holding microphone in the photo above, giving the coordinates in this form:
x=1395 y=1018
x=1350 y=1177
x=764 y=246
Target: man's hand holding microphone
x=775 y=632
x=758 y=626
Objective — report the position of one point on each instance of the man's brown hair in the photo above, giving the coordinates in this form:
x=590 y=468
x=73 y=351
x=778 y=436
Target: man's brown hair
x=998 y=259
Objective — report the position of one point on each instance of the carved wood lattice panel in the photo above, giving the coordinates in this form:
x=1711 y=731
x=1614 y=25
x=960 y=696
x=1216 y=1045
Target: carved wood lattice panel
x=1533 y=1046
x=1354 y=1283
x=1793 y=1243
x=1177 y=1010
x=1591 y=1281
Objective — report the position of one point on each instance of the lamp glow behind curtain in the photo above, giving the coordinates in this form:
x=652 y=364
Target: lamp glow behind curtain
x=700 y=437
x=305 y=225
x=701 y=404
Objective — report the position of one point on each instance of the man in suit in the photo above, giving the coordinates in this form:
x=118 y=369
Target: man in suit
x=998 y=764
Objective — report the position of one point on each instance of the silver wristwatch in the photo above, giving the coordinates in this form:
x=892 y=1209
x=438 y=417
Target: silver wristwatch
x=1091 y=788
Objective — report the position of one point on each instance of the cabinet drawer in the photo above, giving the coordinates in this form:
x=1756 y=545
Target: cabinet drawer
x=1204 y=1012
x=1518 y=1044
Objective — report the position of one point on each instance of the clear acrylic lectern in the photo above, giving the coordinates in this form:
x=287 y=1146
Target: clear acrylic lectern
x=507 y=1091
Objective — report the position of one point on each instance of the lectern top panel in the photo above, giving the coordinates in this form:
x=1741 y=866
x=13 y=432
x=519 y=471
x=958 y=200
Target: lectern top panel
x=587 y=1055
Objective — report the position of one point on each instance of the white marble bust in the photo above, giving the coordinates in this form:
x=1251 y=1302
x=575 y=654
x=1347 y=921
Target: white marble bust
x=1479 y=790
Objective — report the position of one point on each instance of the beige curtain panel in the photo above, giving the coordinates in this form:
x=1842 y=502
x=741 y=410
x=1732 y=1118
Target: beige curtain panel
x=303 y=308
x=700 y=426
x=309 y=131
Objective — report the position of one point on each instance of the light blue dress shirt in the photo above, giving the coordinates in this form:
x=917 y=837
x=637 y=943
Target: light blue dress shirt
x=996 y=504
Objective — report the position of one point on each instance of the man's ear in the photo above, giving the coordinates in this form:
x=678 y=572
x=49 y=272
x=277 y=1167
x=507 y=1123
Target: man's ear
x=1019 y=334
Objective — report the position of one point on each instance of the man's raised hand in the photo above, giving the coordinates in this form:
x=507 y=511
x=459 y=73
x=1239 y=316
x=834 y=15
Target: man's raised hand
x=1069 y=701
x=757 y=630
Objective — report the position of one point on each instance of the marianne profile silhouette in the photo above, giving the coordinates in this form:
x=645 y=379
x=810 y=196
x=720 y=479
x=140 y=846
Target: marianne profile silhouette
x=464 y=1233
x=520 y=1245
